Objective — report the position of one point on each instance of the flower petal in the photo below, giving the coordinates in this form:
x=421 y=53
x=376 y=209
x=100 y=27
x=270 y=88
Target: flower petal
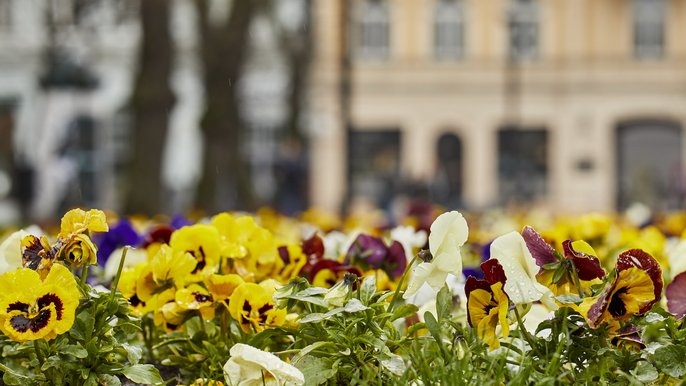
x=542 y=252
x=588 y=266
x=642 y=260
x=676 y=295
x=449 y=223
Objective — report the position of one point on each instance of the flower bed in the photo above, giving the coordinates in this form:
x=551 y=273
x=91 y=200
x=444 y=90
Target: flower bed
x=264 y=299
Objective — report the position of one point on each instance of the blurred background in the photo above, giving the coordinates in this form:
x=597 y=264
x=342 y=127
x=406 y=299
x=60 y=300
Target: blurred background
x=165 y=106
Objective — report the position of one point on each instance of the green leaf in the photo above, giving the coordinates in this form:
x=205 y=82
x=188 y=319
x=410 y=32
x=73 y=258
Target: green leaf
x=306 y=350
x=393 y=363
x=143 y=374
x=645 y=372
x=76 y=350
x=108 y=380
x=435 y=330
x=403 y=311
x=551 y=266
x=670 y=360
x=316 y=370
x=354 y=305
x=368 y=289
x=444 y=303
x=133 y=353
x=559 y=273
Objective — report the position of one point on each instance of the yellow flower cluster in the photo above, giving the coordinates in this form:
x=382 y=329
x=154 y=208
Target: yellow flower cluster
x=229 y=264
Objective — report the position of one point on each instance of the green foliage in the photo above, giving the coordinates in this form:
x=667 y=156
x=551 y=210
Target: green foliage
x=98 y=350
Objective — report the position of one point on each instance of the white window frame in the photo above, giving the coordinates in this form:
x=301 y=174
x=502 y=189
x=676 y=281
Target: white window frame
x=373 y=30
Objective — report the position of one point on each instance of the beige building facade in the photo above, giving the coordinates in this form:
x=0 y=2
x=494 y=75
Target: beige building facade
x=573 y=105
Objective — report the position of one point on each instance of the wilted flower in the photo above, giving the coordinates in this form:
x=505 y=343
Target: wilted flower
x=31 y=308
x=448 y=233
x=488 y=304
x=37 y=254
x=77 y=250
x=249 y=366
x=636 y=287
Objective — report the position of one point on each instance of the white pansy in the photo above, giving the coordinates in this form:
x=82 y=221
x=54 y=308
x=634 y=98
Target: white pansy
x=448 y=233
x=520 y=270
x=133 y=257
x=10 y=251
x=409 y=238
x=250 y=366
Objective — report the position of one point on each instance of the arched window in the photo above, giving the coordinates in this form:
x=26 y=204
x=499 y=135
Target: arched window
x=449 y=27
x=523 y=26
x=649 y=28
x=373 y=30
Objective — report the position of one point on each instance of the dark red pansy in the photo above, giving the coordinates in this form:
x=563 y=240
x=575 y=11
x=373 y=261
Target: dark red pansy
x=158 y=234
x=640 y=259
x=587 y=266
x=493 y=273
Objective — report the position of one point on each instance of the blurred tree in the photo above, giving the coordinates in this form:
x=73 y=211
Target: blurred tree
x=151 y=104
x=291 y=169
x=226 y=179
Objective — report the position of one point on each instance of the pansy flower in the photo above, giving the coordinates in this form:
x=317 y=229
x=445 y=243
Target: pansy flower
x=637 y=285
x=293 y=261
x=676 y=295
x=32 y=308
x=80 y=221
x=201 y=241
x=520 y=270
x=168 y=269
x=221 y=287
x=488 y=304
x=374 y=252
x=37 y=254
x=10 y=251
x=121 y=234
x=195 y=297
x=557 y=271
x=448 y=233
x=249 y=366
x=326 y=273
x=251 y=305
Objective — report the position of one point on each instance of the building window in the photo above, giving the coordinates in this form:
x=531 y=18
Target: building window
x=374 y=26
x=523 y=25
x=649 y=28
x=522 y=164
x=449 y=29
x=374 y=165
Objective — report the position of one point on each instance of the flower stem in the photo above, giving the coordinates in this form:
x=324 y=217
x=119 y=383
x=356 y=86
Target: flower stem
x=39 y=354
x=115 y=283
x=84 y=275
x=577 y=282
x=400 y=284
x=527 y=336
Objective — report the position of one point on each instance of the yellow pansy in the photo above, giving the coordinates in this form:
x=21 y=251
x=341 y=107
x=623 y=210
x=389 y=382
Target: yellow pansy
x=128 y=287
x=31 y=308
x=80 y=221
x=222 y=286
x=168 y=268
x=195 y=297
x=202 y=241
x=488 y=309
x=252 y=306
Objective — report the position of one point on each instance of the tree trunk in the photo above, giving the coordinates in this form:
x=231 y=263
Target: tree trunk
x=226 y=179
x=151 y=104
